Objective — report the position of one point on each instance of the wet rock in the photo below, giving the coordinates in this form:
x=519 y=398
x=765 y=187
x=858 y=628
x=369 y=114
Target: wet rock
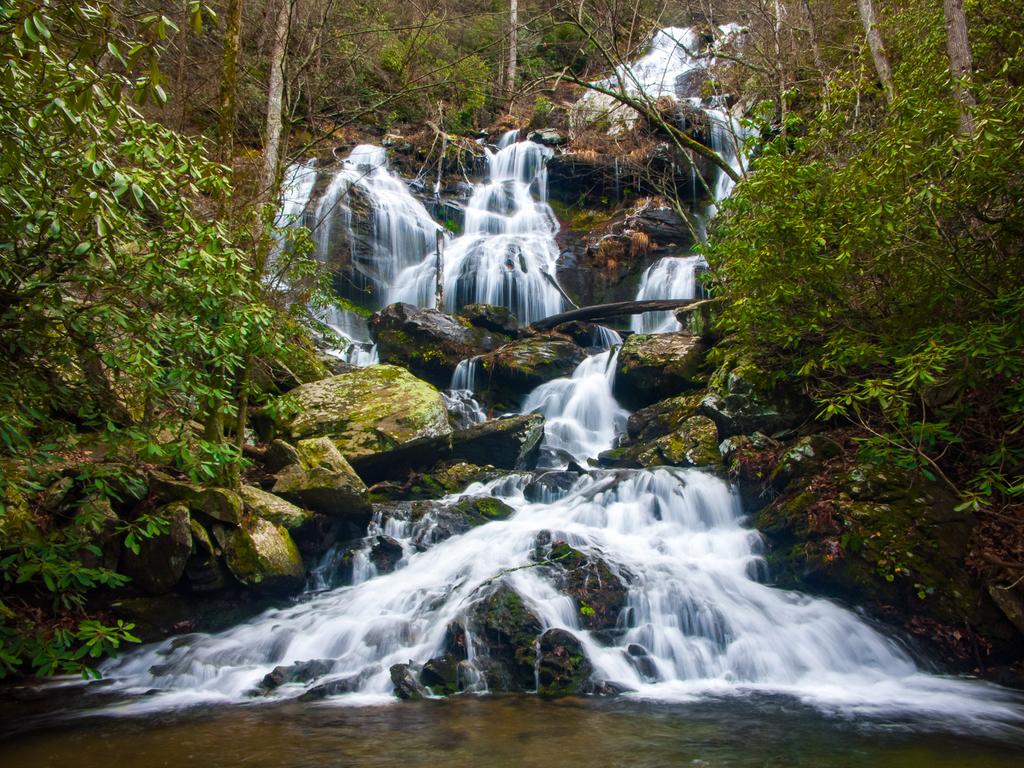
x=444 y=479
x=299 y=672
x=661 y=224
x=564 y=668
x=512 y=443
x=444 y=521
x=599 y=592
x=98 y=526
x=160 y=562
x=1010 y=601
x=586 y=335
x=550 y=486
x=742 y=401
x=654 y=367
x=382 y=419
x=321 y=480
x=518 y=368
x=430 y=343
x=506 y=631
x=263 y=556
x=337 y=687
x=642 y=662
x=491 y=318
x=385 y=554
x=441 y=675
x=406 y=685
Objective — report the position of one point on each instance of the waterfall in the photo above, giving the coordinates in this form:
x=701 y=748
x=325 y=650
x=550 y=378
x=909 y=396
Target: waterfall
x=460 y=397
x=506 y=255
x=670 y=277
x=582 y=417
x=697 y=609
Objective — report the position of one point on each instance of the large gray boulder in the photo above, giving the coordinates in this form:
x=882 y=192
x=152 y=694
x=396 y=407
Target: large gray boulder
x=262 y=555
x=160 y=562
x=512 y=443
x=320 y=480
x=652 y=367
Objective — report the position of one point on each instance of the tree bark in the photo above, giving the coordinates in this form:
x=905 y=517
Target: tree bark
x=275 y=98
x=513 y=44
x=779 y=11
x=819 y=59
x=878 y=54
x=961 y=63
x=229 y=80
x=617 y=309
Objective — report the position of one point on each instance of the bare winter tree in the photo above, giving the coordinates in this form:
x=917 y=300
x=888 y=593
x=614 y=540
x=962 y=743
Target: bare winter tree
x=878 y=53
x=513 y=45
x=960 y=62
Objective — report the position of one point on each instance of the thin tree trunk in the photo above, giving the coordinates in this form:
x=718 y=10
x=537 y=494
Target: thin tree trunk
x=881 y=58
x=513 y=44
x=961 y=64
x=819 y=60
x=229 y=80
x=779 y=10
x=182 y=56
x=275 y=98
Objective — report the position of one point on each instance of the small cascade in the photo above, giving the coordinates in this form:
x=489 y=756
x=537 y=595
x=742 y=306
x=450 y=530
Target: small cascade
x=582 y=416
x=464 y=409
x=296 y=189
x=507 y=253
x=671 y=277
x=359 y=349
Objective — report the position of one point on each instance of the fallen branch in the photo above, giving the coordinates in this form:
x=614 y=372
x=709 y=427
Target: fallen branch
x=616 y=309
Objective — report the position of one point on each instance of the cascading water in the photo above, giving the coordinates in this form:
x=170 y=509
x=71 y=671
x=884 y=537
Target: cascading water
x=672 y=277
x=460 y=398
x=507 y=253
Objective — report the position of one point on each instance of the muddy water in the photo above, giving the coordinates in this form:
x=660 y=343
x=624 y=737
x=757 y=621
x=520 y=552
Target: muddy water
x=500 y=732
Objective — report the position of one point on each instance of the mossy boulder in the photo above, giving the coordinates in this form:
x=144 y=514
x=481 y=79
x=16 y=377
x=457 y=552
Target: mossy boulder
x=382 y=419
x=262 y=555
x=652 y=367
x=693 y=444
x=743 y=399
x=661 y=418
x=324 y=482
x=563 y=669
x=205 y=570
x=699 y=318
x=160 y=562
x=299 y=672
x=512 y=443
x=216 y=503
x=429 y=343
x=505 y=631
x=441 y=675
x=273 y=508
x=491 y=318
x=516 y=369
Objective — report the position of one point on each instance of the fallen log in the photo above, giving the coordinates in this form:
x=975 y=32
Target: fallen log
x=605 y=311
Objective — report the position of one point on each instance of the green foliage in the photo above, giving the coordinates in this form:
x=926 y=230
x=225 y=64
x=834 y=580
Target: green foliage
x=125 y=310
x=877 y=258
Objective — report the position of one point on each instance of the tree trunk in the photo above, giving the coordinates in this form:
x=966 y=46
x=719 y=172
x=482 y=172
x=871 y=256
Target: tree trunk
x=779 y=11
x=616 y=309
x=881 y=58
x=229 y=80
x=275 y=98
x=513 y=44
x=961 y=64
x=819 y=60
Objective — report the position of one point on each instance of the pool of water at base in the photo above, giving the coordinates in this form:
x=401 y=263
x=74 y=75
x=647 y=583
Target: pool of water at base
x=500 y=732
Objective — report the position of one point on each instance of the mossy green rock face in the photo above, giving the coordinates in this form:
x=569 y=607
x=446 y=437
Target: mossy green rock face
x=259 y=503
x=263 y=556
x=324 y=482
x=693 y=444
x=478 y=510
x=161 y=560
x=507 y=630
x=564 y=669
x=662 y=418
x=600 y=594
x=204 y=571
x=742 y=400
x=518 y=368
x=653 y=367
x=512 y=443
x=380 y=418
x=441 y=481
x=699 y=318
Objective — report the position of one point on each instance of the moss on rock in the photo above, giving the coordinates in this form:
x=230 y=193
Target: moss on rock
x=653 y=367
x=263 y=556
